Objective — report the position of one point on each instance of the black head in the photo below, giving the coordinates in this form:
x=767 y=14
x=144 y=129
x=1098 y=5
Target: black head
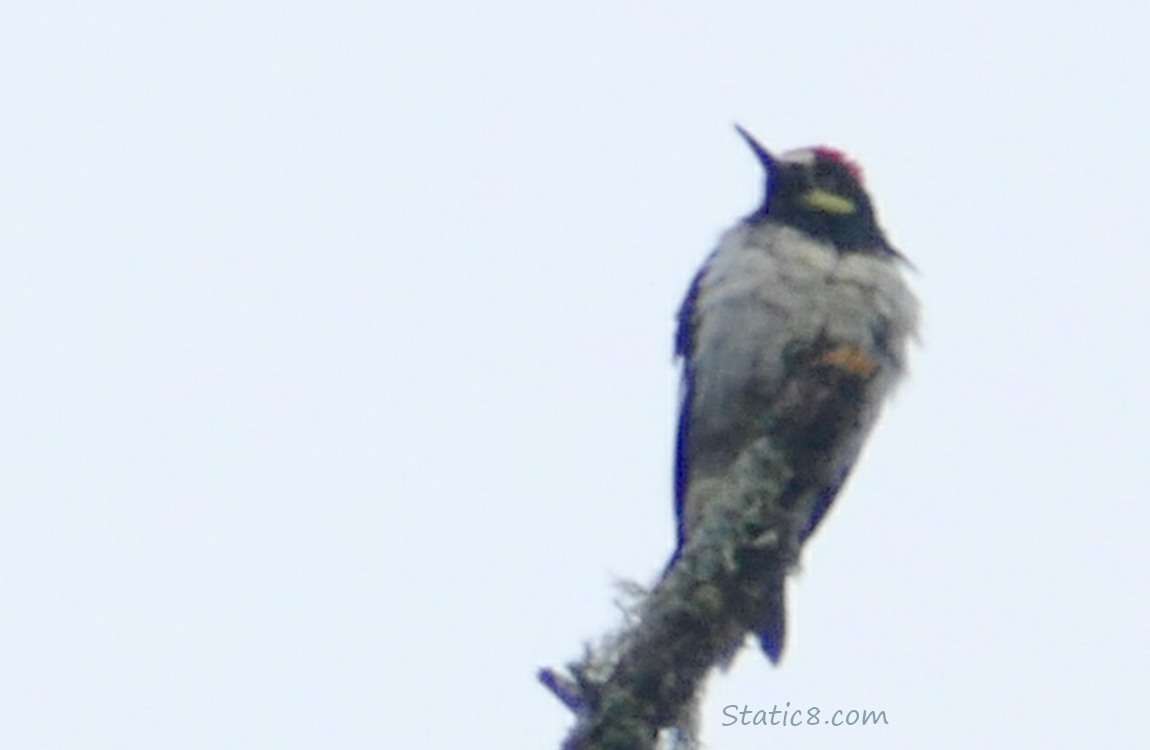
x=819 y=191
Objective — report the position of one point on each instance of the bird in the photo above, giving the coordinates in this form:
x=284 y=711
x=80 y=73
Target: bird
x=795 y=329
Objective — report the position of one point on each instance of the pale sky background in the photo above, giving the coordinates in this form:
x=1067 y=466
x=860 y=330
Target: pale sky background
x=335 y=353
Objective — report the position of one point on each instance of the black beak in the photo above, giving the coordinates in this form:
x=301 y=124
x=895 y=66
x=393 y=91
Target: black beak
x=764 y=156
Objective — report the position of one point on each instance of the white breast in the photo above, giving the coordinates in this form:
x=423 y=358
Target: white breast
x=770 y=290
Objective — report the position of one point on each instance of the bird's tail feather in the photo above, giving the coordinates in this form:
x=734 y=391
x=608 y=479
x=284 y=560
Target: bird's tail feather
x=771 y=626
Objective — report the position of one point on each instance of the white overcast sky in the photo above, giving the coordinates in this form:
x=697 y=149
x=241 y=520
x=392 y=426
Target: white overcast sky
x=335 y=363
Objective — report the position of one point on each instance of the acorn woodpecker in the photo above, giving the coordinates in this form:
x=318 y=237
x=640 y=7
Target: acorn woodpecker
x=796 y=329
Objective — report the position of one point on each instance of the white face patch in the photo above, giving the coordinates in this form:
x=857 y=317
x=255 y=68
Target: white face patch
x=803 y=156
